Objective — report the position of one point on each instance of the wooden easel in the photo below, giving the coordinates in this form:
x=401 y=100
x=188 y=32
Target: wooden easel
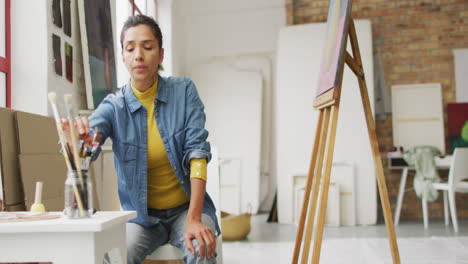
x=328 y=105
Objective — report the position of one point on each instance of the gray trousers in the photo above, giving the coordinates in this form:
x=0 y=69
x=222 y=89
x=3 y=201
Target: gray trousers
x=142 y=241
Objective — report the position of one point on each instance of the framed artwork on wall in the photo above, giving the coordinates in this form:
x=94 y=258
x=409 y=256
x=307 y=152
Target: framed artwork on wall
x=56 y=13
x=457 y=115
x=69 y=62
x=57 y=54
x=67 y=17
x=98 y=50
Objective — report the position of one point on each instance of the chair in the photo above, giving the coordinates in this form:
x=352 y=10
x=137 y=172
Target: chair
x=168 y=252
x=458 y=172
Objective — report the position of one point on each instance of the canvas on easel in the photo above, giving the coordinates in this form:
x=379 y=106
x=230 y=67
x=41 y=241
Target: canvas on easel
x=339 y=26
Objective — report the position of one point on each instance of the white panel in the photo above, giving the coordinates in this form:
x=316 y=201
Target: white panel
x=164 y=18
x=418 y=116
x=333 y=210
x=213 y=183
x=343 y=175
x=416 y=102
x=2 y=29
x=461 y=74
x=2 y=89
x=233 y=105
x=411 y=134
x=299 y=192
x=110 y=197
x=261 y=64
x=29 y=24
x=332 y=217
x=299 y=53
x=230 y=185
x=123 y=11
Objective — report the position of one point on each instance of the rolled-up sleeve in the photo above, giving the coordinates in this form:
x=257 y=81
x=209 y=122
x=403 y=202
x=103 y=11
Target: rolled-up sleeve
x=196 y=145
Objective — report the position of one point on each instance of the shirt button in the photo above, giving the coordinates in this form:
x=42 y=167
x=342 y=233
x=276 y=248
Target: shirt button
x=168 y=150
x=182 y=182
x=175 y=168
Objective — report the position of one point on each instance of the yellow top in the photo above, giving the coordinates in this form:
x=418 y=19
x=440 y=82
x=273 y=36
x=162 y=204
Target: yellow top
x=164 y=190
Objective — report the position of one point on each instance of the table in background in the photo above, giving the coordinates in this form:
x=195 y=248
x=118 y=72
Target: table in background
x=66 y=241
x=441 y=163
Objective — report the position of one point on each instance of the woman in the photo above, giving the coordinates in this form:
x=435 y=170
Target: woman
x=157 y=129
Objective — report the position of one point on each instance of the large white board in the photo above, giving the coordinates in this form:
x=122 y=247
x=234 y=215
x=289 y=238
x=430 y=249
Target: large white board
x=233 y=106
x=461 y=74
x=298 y=61
x=417 y=109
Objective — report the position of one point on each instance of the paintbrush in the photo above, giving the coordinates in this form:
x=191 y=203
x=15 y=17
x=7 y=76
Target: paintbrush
x=52 y=99
x=37 y=206
x=74 y=147
x=73 y=136
x=65 y=147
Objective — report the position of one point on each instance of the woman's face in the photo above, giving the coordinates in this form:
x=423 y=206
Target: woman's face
x=141 y=53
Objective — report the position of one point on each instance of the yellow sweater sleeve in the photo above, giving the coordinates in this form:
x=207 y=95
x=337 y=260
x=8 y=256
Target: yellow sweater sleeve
x=198 y=168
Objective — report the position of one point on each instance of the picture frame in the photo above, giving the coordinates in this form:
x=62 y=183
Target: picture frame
x=98 y=50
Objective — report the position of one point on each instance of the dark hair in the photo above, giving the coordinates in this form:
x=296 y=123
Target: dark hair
x=134 y=21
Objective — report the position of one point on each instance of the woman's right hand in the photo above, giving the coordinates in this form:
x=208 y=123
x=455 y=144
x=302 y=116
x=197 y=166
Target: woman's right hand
x=82 y=127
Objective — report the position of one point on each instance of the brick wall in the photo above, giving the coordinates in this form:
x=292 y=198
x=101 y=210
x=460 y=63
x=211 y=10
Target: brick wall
x=414 y=39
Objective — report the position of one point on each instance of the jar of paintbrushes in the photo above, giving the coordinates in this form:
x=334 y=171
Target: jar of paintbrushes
x=78 y=155
x=78 y=194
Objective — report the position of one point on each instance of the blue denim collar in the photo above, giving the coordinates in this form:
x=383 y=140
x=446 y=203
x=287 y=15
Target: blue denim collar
x=133 y=102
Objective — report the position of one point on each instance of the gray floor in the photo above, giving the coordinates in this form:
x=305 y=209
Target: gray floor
x=270 y=238
x=273 y=232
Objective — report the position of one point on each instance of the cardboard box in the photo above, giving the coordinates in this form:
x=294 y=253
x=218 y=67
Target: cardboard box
x=29 y=152
x=13 y=195
x=49 y=169
x=36 y=134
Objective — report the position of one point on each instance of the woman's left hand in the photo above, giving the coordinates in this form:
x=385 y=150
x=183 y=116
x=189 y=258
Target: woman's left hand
x=203 y=234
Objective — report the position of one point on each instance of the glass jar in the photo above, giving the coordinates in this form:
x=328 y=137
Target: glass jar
x=78 y=195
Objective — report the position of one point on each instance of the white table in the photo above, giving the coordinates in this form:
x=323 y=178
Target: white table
x=441 y=163
x=66 y=241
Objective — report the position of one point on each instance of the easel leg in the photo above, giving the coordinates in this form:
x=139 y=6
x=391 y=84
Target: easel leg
x=310 y=182
x=375 y=147
x=379 y=169
x=326 y=182
x=315 y=187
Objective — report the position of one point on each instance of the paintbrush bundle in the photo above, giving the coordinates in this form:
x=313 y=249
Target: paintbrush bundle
x=72 y=204
x=78 y=155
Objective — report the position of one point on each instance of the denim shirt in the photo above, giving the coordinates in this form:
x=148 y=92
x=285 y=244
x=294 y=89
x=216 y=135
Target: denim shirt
x=180 y=118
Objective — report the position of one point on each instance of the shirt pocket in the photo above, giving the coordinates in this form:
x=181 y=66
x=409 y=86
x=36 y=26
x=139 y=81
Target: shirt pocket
x=126 y=155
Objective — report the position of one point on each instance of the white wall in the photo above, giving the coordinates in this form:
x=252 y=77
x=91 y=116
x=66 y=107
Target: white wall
x=201 y=30
x=33 y=73
x=221 y=29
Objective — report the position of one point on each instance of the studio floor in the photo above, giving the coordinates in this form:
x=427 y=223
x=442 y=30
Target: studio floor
x=274 y=243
